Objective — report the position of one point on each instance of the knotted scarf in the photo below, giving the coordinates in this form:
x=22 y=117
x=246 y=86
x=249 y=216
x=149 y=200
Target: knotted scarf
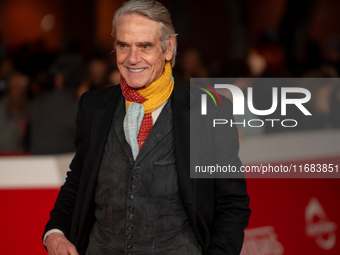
x=140 y=104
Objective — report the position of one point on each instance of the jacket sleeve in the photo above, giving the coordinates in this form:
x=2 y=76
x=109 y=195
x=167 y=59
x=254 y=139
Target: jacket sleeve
x=231 y=201
x=61 y=214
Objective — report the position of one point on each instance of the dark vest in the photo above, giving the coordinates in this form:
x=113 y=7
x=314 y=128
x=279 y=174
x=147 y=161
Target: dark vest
x=138 y=208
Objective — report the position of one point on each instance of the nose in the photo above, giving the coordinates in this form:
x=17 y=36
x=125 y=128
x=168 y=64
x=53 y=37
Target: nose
x=134 y=55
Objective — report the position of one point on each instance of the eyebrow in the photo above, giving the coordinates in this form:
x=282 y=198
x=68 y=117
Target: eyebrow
x=145 y=44
x=138 y=43
x=120 y=42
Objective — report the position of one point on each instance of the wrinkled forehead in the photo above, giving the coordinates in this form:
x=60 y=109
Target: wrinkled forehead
x=136 y=25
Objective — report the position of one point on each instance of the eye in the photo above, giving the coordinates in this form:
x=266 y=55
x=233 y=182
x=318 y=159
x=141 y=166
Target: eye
x=146 y=46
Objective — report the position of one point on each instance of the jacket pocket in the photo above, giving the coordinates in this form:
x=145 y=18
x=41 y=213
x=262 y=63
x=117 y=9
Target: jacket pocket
x=164 y=162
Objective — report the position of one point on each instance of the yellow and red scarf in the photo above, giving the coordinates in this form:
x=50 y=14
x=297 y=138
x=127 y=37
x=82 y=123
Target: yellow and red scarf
x=150 y=97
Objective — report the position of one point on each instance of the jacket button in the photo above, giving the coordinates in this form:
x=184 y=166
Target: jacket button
x=132 y=197
x=131 y=208
x=134 y=177
x=136 y=167
x=129 y=237
x=129 y=246
x=133 y=187
x=129 y=253
x=130 y=227
x=130 y=216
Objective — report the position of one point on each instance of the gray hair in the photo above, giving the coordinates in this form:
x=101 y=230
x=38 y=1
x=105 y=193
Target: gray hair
x=155 y=11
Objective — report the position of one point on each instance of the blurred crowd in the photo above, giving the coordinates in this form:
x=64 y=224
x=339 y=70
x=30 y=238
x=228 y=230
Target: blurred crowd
x=39 y=93
x=39 y=89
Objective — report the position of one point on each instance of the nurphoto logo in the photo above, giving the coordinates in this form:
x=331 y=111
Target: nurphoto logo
x=239 y=104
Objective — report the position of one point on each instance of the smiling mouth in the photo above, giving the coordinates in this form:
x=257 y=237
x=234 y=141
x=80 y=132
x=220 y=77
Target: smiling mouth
x=136 y=70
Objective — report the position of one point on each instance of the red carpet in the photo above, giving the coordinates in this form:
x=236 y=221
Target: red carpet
x=24 y=214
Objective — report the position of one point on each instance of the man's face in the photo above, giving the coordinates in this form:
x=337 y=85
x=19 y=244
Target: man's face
x=140 y=58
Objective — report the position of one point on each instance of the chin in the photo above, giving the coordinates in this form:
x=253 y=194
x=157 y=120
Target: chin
x=136 y=85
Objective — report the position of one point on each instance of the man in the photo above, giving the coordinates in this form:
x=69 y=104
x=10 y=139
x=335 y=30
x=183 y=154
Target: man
x=14 y=115
x=129 y=189
x=53 y=112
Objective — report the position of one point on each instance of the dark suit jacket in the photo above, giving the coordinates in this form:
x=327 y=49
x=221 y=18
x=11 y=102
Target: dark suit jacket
x=217 y=209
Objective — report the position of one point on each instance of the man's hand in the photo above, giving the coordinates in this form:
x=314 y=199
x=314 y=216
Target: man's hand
x=57 y=244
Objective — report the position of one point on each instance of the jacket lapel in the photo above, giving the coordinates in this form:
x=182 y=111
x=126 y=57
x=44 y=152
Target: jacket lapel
x=101 y=123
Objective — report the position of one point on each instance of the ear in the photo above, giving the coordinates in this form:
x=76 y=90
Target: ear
x=170 y=49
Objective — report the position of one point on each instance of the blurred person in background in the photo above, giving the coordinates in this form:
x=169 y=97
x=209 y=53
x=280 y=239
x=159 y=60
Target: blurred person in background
x=192 y=65
x=52 y=118
x=323 y=102
x=331 y=52
x=268 y=58
x=6 y=69
x=14 y=115
x=257 y=63
x=114 y=77
x=97 y=73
